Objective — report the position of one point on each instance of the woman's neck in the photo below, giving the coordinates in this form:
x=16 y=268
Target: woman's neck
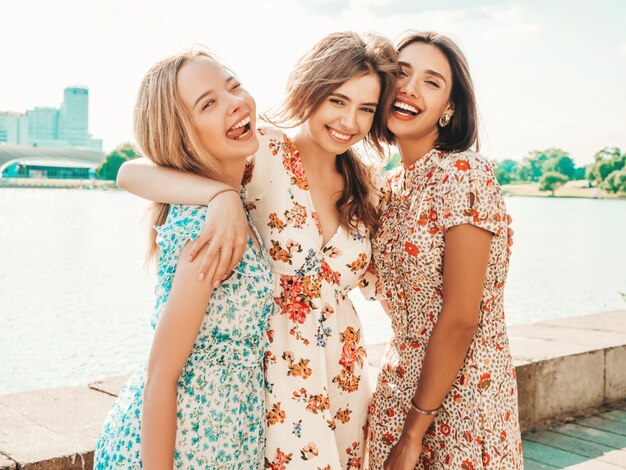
x=232 y=172
x=317 y=159
x=412 y=149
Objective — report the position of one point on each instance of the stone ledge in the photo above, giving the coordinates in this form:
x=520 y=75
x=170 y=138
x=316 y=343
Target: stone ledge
x=52 y=428
x=565 y=368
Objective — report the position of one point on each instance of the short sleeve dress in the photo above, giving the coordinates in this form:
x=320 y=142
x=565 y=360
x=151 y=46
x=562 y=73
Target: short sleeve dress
x=477 y=426
x=221 y=398
x=317 y=384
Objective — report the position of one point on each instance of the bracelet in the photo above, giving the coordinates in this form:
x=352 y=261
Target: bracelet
x=424 y=412
x=220 y=192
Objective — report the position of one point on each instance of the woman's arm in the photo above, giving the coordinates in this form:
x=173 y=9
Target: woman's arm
x=226 y=226
x=173 y=340
x=145 y=179
x=465 y=263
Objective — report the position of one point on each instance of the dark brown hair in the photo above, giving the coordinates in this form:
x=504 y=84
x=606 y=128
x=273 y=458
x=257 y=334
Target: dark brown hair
x=462 y=131
x=334 y=60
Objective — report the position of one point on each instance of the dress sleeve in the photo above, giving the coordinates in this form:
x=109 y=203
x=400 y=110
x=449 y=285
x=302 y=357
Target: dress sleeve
x=182 y=224
x=469 y=194
x=257 y=175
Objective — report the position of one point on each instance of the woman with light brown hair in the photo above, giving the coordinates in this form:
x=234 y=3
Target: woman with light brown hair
x=314 y=203
x=446 y=395
x=199 y=400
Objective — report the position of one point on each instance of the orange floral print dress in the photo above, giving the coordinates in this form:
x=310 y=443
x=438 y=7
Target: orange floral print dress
x=317 y=384
x=477 y=426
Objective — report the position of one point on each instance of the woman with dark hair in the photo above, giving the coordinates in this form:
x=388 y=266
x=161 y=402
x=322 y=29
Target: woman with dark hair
x=313 y=203
x=446 y=389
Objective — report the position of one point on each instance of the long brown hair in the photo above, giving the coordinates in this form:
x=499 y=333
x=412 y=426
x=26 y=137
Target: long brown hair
x=164 y=129
x=462 y=131
x=334 y=60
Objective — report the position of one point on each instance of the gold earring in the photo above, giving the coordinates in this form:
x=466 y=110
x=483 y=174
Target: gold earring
x=444 y=120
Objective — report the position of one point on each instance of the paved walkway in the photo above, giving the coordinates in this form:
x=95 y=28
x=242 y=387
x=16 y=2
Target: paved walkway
x=595 y=443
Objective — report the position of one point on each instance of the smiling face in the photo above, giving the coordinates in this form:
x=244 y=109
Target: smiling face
x=222 y=112
x=423 y=93
x=346 y=115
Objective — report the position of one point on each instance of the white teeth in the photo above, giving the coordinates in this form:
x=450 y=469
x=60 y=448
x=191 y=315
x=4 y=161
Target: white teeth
x=241 y=123
x=242 y=136
x=405 y=106
x=338 y=135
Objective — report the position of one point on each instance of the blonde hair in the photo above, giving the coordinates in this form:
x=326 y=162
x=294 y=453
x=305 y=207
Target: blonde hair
x=164 y=129
x=336 y=59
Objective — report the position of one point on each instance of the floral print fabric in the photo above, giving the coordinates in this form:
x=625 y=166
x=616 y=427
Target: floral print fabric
x=477 y=426
x=317 y=384
x=220 y=401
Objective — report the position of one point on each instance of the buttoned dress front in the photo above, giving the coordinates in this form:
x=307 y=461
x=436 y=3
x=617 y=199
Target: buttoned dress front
x=477 y=426
x=317 y=385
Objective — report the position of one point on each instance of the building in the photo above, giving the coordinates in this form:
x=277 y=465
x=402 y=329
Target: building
x=13 y=128
x=43 y=127
x=66 y=126
x=74 y=117
x=18 y=161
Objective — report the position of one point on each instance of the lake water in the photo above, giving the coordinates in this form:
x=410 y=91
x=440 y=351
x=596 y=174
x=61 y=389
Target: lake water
x=75 y=298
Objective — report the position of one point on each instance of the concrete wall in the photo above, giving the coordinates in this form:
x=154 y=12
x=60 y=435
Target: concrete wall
x=565 y=368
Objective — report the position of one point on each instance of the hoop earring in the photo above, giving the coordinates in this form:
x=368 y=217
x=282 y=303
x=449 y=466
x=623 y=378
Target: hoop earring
x=444 y=120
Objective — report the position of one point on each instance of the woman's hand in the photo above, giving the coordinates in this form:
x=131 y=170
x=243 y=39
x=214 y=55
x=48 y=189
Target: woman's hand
x=404 y=455
x=226 y=232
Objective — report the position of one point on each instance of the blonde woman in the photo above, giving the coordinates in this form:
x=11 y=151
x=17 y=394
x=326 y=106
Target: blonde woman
x=313 y=202
x=199 y=400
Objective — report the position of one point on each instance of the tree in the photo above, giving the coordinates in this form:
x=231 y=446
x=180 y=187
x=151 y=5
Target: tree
x=502 y=175
x=551 y=181
x=607 y=161
x=112 y=162
x=560 y=163
x=615 y=182
x=507 y=171
x=556 y=160
x=532 y=166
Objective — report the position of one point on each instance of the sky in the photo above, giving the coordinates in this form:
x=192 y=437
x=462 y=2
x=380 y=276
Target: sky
x=548 y=73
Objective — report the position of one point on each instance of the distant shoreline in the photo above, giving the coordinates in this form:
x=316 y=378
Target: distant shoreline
x=572 y=189
x=45 y=183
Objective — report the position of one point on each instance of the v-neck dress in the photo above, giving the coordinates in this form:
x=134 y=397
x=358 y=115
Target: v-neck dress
x=316 y=382
x=477 y=426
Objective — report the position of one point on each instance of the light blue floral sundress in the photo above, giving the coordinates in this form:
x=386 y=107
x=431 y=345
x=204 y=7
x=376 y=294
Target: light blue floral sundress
x=221 y=408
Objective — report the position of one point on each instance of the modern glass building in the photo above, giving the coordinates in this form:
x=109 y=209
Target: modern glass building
x=67 y=126
x=18 y=161
x=13 y=128
x=43 y=127
x=74 y=117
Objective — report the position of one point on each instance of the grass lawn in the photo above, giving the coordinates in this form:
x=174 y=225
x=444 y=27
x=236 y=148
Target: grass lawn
x=570 y=189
